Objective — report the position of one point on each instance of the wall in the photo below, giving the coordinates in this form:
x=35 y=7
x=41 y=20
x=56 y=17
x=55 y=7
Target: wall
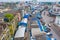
x=57 y=20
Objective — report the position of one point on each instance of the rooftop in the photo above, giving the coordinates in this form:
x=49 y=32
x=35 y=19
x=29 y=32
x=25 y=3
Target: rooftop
x=2 y=14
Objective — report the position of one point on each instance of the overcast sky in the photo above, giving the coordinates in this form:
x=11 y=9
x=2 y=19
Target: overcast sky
x=29 y=0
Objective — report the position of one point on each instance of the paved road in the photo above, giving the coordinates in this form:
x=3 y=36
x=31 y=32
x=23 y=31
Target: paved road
x=47 y=21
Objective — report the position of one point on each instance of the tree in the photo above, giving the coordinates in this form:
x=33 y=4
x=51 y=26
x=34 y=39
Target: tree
x=8 y=16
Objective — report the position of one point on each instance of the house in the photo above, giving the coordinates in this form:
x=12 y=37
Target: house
x=55 y=13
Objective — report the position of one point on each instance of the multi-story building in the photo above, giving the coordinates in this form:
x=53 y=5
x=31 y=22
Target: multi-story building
x=55 y=12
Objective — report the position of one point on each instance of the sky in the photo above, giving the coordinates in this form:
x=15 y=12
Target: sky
x=29 y=0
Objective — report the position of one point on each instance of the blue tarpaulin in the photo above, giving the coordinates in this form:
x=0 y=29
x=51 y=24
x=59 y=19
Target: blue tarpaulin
x=38 y=15
x=48 y=38
x=21 y=23
x=39 y=24
x=26 y=15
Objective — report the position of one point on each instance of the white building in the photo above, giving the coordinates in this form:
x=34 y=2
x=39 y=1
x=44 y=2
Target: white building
x=57 y=20
x=57 y=14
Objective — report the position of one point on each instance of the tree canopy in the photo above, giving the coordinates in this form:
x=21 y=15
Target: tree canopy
x=9 y=16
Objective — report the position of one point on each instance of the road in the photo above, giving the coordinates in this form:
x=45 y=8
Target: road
x=47 y=20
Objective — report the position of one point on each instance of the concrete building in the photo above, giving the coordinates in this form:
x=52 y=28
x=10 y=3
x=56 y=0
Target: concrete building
x=56 y=14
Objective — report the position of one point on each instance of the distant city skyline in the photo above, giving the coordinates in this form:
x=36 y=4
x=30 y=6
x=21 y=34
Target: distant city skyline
x=29 y=0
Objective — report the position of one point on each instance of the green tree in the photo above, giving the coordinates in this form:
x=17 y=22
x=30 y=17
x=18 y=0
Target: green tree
x=9 y=16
